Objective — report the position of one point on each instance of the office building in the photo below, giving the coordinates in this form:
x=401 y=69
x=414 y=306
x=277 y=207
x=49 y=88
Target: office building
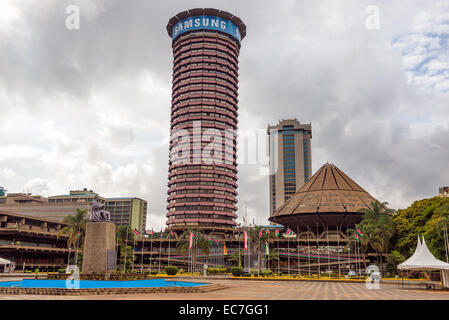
x=290 y=159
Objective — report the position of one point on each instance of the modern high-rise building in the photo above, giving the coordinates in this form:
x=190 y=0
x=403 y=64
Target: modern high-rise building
x=202 y=186
x=290 y=159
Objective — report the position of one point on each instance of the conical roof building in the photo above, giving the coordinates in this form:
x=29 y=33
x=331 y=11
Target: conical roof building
x=329 y=199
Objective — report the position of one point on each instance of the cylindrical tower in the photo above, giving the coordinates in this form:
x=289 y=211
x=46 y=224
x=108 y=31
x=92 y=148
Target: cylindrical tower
x=202 y=182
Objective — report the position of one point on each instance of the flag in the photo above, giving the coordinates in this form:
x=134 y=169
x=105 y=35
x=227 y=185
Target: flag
x=191 y=240
x=260 y=233
x=357 y=237
x=225 y=251
x=245 y=235
x=289 y=232
x=267 y=231
x=136 y=232
x=360 y=233
x=78 y=235
x=276 y=233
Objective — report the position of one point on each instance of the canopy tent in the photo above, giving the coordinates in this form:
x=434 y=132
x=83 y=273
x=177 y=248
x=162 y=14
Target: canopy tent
x=5 y=265
x=423 y=259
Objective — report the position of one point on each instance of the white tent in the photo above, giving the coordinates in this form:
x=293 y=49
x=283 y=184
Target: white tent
x=423 y=259
x=5 y=265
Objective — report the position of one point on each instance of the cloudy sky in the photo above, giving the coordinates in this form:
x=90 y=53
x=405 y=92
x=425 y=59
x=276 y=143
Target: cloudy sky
x=90 y=107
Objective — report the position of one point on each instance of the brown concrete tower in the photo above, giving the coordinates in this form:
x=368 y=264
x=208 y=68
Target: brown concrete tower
x=202 y=186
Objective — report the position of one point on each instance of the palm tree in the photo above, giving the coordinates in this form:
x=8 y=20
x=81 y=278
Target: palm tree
x=76 y=224
x=124 y=234
x=183 y=243
x=378 y=223
x=272 y=256
x=257 y=241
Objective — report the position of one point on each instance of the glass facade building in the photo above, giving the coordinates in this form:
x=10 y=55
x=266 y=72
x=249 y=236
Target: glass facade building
x=290 y=160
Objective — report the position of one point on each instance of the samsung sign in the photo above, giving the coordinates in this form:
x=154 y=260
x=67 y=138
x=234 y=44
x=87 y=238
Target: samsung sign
x=206 y=22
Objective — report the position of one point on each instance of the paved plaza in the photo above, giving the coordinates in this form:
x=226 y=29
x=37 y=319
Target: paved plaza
x=274 y=290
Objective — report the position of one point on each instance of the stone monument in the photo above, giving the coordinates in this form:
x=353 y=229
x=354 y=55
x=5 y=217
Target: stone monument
x=100 y=254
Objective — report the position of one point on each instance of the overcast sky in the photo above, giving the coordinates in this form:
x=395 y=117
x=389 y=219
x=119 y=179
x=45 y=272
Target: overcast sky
x=91 y=107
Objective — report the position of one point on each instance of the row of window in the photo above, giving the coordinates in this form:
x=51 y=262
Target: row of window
x=198 y=167
x=200 y=199
x=208 y=72
x=201 y=36
x=204 y=114
x=212 y=191
x=203 y=183
x=201 y=79
x=207 y=53
x=206 y=175
x=202 y=208
x=205 y=86
x=218 y=60
x=200 y=216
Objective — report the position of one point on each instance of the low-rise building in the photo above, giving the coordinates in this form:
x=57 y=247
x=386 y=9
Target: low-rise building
x=32 y=242
x=131 y=211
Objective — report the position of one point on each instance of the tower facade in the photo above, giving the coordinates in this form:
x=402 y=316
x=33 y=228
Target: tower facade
x=202 y=182
x=290 y=160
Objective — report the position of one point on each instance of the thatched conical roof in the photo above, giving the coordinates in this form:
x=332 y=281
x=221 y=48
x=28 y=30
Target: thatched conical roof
x=330 y=197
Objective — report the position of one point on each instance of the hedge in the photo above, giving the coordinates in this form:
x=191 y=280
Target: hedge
x=171 y=270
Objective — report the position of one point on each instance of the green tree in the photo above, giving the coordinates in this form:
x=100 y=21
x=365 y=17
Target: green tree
x=426 y=218
x=237 y=257
x=75 y=224
x=378 y=223
x=392 y=261
x=126 y=259
x=272 y=258
x=183 y=243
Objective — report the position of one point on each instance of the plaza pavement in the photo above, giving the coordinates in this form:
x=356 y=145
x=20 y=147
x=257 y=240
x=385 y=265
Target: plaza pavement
x=273 y=290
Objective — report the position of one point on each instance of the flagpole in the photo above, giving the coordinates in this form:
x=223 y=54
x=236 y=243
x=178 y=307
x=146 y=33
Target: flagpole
x=318 y=250
x=160 y=251
x=288 y=253
x=308 y=247
x=126 y=245
x=338 y=252
x=169 y=236
x=328 y=257
x=258 y=262
x=143 y=246
x=134 y=248
x=297 y=237
x=151 y=249
x=279 y=255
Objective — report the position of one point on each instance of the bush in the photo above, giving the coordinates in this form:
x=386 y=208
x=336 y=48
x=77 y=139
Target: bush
x=237 y=271
x=61 y=271
x=267 y=273
x=171 y=271
x=36 y=271
x=154 y=272
x=28 y=271
x=216 y=270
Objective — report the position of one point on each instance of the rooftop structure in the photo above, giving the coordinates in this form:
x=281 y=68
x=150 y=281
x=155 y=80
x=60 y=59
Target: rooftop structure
x=329 y=199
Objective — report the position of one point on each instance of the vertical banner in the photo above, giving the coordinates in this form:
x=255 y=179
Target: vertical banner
x=191 y=240
x=246 y=240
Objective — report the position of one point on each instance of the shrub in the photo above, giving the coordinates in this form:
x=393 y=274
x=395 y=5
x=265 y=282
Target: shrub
x=267 y=273
x=172 y=270
x=237 y=271
x=36 y=271
x=28 y=271
x=61 y=271
x=216 y=270
x=154 y=272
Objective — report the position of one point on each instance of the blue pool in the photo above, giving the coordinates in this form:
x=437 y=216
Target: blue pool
x=89 y=284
